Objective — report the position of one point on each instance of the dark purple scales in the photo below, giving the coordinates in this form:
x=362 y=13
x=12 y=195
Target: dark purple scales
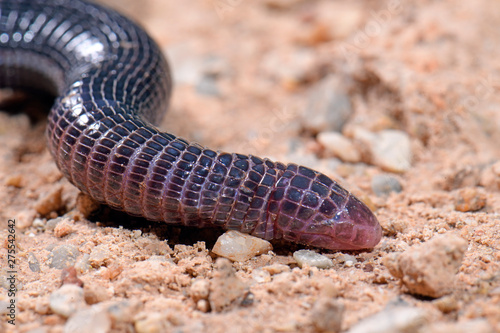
x=112 y=82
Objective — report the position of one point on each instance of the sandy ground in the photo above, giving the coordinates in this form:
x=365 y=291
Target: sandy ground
x=245 y=73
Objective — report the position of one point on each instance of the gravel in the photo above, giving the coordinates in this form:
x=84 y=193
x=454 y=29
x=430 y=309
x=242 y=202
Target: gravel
x=469 y=199
x=237 y=246
x=51 y=202
x=327 y=314
x=329 y=106
x=392 y=320
x=385 y=184
x=392 y=150
x=312 y=259
x=100 y=256
x=33 y=262
x=63 y=256
x=67 y=300
x=337 y=145
x=226 y=288
x=92 y=320
x=429 y=269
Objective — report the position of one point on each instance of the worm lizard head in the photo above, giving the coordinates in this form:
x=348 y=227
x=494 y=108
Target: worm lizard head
x=349 y=225
x=353 y=227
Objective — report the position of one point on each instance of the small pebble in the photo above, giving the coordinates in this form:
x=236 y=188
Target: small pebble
x=248 y=299
x=63 y=256
x=344 y=258
x=200 y=289
x=66 y=300
x=93 y=320
x=312 y=259
x=42 y=306
x=338 y=145
x=464 y=176
x=83 y=264
x=276 y=268
x=4 y=307
x=281 y=4
x=153 y=322
x=203 y=305
x=187 y=63
x=391 y=150
x=69 y=276
x=392 y=320
x=63 y=229
x=469 y=199
x=86 y=205
x=33 y=263
x=479 y=325
x=39 y=223
x=383 y=185
x=52 y=223
x=447 y=304
x=329 y=106
x=25 y=218
x=394 y=226
x=490 y=177
x=100 y=256
x=326 y=315
x=237 y=246
x=15 y=180
x=291 y=67
x=190 y=66
x=261 y=276
x=429 y=269
x=95 y=293
x=349 y=263
x=216 y=66
x=51 y=202
x=225 y=288
x=208 y=86
x=123 y=311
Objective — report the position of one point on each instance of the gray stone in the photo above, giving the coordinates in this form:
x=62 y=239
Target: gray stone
x=208 y=86
x=52 y=223
x=63 y=256
x=33 y=263
x=383 y=185
x=329 y=106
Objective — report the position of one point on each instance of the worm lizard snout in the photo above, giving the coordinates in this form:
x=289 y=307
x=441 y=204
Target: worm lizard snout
x=354 y=227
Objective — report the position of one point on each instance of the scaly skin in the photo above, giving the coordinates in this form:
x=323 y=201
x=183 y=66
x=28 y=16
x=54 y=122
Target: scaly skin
x=113 y=84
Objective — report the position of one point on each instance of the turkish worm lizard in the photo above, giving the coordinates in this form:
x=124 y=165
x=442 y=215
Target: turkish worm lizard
x=112 y=85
